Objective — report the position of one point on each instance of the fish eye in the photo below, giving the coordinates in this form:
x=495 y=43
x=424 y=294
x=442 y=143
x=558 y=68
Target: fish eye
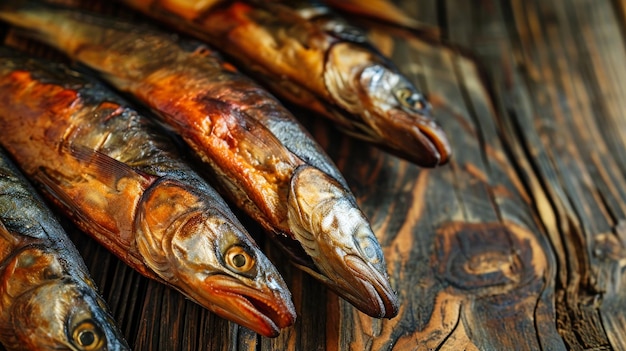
x=239 y=259
x=87 y=336
x=371 y=250
x=410 y=98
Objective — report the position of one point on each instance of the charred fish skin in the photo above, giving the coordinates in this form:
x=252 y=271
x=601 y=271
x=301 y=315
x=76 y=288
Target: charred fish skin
x=311 y=57
x=386 y=11
x=124 y=181
x=47 y=299
x=226 y=119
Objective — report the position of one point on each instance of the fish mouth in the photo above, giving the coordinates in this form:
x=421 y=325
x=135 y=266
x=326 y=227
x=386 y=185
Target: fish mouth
x=437 y=139
x=372 y=296
x=265 y=312
x=417 y=138
x=369 y=289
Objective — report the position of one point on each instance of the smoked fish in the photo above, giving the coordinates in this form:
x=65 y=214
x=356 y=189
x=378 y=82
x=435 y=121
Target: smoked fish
x=263 y=160
x=308 y=55
x=385 y=11
x=121 y=180
x=47 y=298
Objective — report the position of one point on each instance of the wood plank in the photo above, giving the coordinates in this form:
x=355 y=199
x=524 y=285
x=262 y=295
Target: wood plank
x=497 y=227
x=565 y=124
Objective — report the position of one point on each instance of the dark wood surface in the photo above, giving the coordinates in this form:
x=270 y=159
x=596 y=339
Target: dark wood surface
x=519 y=243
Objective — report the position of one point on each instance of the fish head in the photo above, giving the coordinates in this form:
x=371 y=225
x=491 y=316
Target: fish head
x=204 y=252
x=392 y=112
x=403 y=115
x=48 y=307
x=338 y=238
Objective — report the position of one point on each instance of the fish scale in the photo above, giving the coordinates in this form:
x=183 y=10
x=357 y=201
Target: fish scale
x=47 y=298
x=121 y=180
x=226 y=119
x=310 y=56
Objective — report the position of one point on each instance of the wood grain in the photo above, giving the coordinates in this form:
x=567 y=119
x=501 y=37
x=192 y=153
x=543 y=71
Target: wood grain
x=564 y=123
x=517 y=244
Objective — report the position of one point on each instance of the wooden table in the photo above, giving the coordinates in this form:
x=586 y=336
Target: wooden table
x=519 y=243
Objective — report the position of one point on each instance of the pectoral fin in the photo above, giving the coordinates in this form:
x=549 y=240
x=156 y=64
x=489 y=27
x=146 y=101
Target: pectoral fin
x=109 y=170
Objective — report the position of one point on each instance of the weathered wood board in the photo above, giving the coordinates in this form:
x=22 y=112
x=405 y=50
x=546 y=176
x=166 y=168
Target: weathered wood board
x=560 y=89
x=518 y=244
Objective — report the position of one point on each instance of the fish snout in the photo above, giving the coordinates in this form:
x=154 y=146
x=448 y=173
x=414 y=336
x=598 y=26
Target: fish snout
x=370 y=289
x=419 y=139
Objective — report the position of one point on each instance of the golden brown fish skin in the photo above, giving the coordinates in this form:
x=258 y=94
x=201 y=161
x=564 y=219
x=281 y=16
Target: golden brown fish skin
x=228 y=121
x=383 y=10
x=314 y=59
x=121 y=181
x=47 y=299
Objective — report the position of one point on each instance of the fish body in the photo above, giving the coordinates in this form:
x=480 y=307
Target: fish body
x=121 y=180
x=229 y=122
x=313 y=58
x=383 y=10
x=47 y=298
